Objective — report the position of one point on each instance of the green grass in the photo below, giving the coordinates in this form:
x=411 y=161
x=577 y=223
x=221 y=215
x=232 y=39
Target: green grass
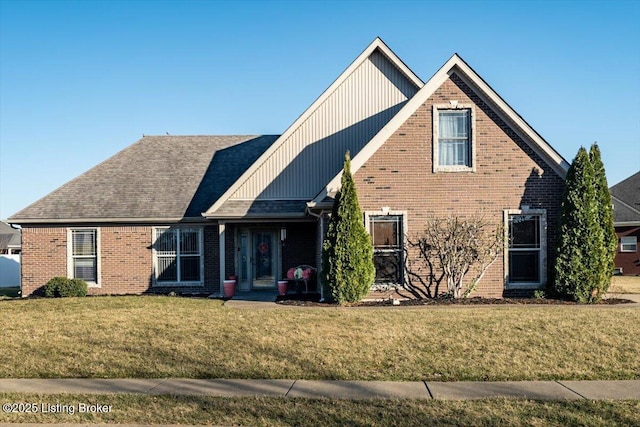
x=263 y=411
x=157 y=337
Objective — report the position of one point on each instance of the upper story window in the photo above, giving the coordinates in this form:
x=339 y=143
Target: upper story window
x=453 y=138
x=83 y=254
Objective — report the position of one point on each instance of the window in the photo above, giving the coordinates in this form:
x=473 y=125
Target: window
x=178 y=256
x=387 y=238
x=629 y=244
x=526 y=241
x=453 y=146
x=83 y=254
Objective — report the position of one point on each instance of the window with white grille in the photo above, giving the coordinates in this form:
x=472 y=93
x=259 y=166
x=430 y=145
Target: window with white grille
x=178 y=256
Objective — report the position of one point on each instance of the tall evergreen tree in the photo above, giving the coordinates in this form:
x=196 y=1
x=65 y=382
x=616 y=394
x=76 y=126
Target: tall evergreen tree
x=347 y=255
x=581 y=237
x=605 y=219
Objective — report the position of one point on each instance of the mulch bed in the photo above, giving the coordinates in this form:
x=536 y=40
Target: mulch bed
x=313 y=300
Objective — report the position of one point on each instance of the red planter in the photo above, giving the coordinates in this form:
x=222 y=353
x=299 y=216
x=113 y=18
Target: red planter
x=282 y=287
x=229 y=288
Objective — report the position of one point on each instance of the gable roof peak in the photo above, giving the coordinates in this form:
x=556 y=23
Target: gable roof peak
x=377 y=48
x=484 y=91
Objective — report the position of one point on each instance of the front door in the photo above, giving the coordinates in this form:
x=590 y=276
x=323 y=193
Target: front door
x=258 y=259
x=264 y=259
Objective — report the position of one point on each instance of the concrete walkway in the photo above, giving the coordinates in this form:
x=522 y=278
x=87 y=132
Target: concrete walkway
x=539 y=390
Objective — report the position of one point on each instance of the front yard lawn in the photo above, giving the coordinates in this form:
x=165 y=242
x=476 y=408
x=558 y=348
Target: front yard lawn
x=155 y=337
x=625 y=285
x=270 y=411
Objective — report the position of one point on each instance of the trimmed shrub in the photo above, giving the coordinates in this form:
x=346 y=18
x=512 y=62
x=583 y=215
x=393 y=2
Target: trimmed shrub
x=605 y=220
x=581 y=242
x=347 y=255
x=60 y=287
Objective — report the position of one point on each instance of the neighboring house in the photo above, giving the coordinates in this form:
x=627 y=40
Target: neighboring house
x=9 y=255
x=185 y=212
x=625 y=197
x=9 y=240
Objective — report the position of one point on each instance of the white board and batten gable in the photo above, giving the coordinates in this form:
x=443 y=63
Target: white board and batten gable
x=355 y=107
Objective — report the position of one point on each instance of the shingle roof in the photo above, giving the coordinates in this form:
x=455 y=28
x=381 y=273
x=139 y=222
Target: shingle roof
x=158 y=177
x=9 y=236
x=626 y=199
x=261 y=208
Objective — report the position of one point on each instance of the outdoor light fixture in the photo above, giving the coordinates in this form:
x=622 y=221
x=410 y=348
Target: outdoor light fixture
x=283 y=234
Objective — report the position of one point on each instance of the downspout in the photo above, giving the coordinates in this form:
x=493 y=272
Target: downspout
x=319 y=248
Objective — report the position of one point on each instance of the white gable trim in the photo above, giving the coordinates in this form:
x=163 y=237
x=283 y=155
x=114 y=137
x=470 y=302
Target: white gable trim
x=376 y=44
x=455 y=65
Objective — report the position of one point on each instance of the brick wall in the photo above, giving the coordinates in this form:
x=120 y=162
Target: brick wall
x=44 y=255
x=628 y=261
x=508 y=174
x=126 y=259
x=300 y=248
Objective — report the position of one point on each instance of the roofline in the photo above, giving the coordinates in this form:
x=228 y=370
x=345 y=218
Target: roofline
x=625 y=204
x=255 y=216
x=627 y=224
x=45 y=221
x=377 y=43
x=486 y=93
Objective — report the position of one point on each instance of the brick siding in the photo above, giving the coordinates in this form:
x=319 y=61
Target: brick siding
x=508 y=174
x=628 y=261
x=126 y=263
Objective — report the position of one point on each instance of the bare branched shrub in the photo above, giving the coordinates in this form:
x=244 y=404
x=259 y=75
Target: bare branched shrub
x=458 y=245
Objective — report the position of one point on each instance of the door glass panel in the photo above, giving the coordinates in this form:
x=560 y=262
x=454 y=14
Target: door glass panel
x=244 y=274
x=264 y=262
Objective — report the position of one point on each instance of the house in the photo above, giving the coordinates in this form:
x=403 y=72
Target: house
x=186 y=212
x=625 y=197
x=9 y=256
x=9 y=240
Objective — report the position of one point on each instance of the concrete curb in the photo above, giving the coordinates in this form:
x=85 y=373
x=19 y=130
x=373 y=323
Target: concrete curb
x=467 y=390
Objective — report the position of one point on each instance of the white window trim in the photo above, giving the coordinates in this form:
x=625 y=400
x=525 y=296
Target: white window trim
x=633 y=243
x=70 y=272
x=156 y=283
x=453 y=105
x=388 y=212
x=543 y=248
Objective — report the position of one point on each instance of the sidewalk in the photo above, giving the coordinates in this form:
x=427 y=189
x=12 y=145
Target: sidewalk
x=539 y=390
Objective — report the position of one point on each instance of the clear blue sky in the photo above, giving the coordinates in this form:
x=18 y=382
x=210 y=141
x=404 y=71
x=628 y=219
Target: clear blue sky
x=81 y=80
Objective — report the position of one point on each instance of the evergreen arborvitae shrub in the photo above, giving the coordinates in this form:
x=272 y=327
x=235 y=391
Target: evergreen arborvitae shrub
x=605 y=219
x=581 y=237
x=59 y=287
x=347 y=256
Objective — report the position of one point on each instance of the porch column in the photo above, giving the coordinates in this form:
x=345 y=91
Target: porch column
x=221 y=235
x=321 y=232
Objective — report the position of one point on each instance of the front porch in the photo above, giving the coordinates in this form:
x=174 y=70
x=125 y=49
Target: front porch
x=259 y=254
